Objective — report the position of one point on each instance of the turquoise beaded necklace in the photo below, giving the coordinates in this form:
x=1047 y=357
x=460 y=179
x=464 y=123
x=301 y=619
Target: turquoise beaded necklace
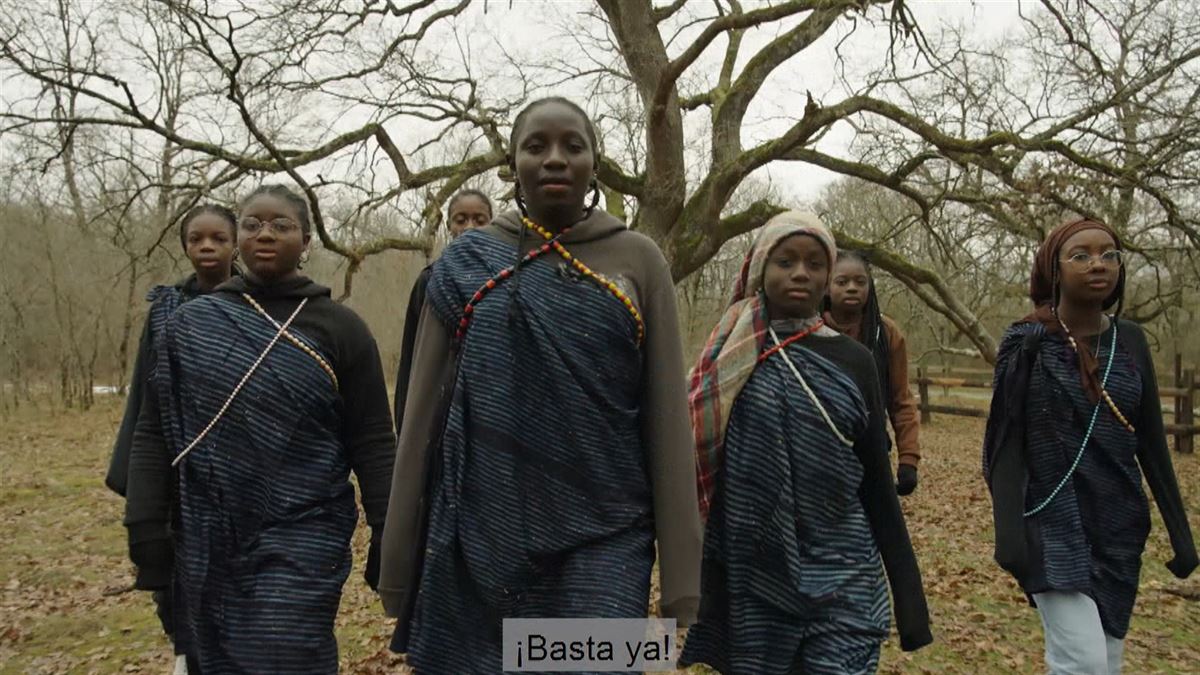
x=1112 y=352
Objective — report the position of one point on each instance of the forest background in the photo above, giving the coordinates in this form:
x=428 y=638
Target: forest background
x=944 y=139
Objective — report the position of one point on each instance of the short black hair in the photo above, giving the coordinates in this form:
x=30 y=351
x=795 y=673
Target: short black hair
x=288 y=195
x=470 y=192
x=222 y=212
x=519 y=123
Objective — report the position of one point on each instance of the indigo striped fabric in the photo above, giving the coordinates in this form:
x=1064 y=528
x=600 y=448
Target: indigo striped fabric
x=542 y=507
x=792 y=576
x=267 y=509
x=164 y=300
x=1092 y=535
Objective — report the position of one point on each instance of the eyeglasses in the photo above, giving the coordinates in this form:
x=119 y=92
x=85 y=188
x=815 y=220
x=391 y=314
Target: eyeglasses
x=278 y=226
x=1083 y=261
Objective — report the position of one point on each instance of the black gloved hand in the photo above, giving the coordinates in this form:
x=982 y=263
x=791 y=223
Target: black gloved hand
x=1183 y=565
x=164 y=608
x=906 y=479
x=154 y=559
x=371 y=574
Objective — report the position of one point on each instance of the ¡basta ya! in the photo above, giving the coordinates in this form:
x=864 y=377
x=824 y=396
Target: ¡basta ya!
x=559 y=651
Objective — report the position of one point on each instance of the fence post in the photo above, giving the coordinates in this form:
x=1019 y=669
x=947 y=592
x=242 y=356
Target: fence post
x=923 y=390
x=1184 y=441
x=1179 y=384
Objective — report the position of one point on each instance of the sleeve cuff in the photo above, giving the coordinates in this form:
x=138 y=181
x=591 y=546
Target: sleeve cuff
x=155 y=562
x=911 y=641
x=1182 y=565
x=682 y=610
x=153 y=578
x=147 y=531
x=393 y=600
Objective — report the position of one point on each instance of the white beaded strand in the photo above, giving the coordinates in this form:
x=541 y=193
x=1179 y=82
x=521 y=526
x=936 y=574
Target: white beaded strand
x=296 y=341
x=245 y=379
x=811 y=394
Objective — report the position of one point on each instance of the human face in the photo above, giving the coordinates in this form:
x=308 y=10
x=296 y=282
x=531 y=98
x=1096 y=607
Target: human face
x=209 y=243
x=554 y=162
x=796 y=274
x=272 y=246
x=467 y=213
x=1086 y=275
x=849 y=287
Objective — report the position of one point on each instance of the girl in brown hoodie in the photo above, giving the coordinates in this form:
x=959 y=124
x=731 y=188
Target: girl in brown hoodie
x=852 y=308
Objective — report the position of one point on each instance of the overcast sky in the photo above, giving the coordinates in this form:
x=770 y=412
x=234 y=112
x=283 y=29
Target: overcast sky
x=521 y=31
x=533 y=30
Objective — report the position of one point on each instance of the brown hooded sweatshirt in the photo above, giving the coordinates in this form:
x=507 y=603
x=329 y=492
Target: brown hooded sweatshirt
x=634 y=262
x=901 y=404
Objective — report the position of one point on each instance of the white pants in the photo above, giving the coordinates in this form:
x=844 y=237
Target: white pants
x=1076 y=643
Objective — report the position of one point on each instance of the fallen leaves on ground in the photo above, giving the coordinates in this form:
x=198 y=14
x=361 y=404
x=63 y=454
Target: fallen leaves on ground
x=65 y=607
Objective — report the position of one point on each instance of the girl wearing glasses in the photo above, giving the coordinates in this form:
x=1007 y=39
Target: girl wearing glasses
x=1075 y=422
x=266 y=395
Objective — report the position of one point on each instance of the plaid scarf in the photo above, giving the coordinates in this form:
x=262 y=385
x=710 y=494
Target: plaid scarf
x=731 y=353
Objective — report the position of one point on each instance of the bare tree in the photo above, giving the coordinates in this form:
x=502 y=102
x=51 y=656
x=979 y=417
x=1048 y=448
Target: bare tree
x=950 y=138
x=1097 y=117
x=257 y=89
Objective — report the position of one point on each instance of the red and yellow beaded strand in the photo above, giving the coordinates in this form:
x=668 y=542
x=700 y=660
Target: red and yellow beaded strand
x=469 y=308
x=552 y=243
x=795 y=338
x=587 y=271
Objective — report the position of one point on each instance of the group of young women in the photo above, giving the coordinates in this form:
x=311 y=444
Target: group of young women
x=549 y=446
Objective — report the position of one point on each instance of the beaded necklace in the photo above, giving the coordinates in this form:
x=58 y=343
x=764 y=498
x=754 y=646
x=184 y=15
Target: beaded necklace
x=1103 y=392
x=794 y=338
x=469 y=308
x=589 y=272
x=1112 y=352
x=292 y=338
x=812 y=395
x=552 y=243
x=245 y=378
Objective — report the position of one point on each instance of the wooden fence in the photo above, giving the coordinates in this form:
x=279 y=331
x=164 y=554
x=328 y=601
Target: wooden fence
x=1183 y=395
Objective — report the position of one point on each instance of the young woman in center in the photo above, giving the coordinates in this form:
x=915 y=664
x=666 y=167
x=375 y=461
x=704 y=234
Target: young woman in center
x=545 y=447
x=794 y=479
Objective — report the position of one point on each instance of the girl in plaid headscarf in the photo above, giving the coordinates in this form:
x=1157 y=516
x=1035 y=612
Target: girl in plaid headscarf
x=794 y=478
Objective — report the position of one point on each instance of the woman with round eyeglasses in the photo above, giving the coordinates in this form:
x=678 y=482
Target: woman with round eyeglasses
x=1075 y=423
x=266 y=395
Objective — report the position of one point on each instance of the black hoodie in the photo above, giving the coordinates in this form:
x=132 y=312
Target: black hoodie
x=367 y=436
x=118 y=467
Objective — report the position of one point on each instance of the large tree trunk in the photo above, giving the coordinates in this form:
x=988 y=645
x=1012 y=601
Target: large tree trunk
x=642 y=47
